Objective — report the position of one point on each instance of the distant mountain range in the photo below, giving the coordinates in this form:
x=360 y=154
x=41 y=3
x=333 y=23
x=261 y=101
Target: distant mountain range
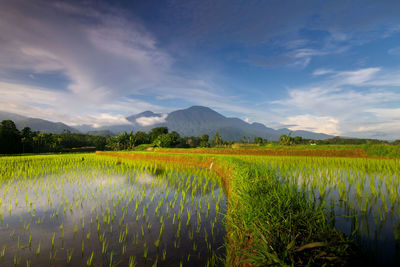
x=36 y=124
x=193 y=121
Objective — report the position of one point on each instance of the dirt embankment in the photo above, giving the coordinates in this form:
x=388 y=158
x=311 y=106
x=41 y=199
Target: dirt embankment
x=179 y=161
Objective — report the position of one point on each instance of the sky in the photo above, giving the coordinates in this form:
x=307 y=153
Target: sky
x=324 y=66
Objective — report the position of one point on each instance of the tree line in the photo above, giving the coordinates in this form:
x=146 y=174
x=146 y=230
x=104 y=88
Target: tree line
x=161 y=137
x=298 y=140
x=13 y=141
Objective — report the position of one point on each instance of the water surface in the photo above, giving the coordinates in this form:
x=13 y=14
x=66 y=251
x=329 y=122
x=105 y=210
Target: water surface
x=112 y=217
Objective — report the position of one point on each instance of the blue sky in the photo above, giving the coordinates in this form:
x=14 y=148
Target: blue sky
x=324 y=66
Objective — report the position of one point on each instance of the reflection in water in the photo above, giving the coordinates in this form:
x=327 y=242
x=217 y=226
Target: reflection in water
x=368 y=217
x=101 y=216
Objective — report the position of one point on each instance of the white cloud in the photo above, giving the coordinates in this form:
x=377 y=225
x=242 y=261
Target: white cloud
x=63 y=106
x=349 y=103
x=391 y=31
x=320 y=124
x=109 y=119
x=293 y=44
x=336 y=101
x=307 y=53
x=148 y=121
x=357 y=77
x=386 y=113
x=103 y=55
x=354 y=77
x=322 y=71
x=394 y=51
x=384 y=129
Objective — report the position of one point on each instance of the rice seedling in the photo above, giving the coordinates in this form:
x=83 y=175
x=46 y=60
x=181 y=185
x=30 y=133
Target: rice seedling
x=17 y=260
x=145 y=252
x=164 y=254
x=38 y=250
x=3 y=252
x=69 y=256
x=132 y=261
x=89 y=261
x=94 y=193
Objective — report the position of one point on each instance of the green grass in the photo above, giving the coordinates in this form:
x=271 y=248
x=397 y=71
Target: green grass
x=392 y=151
x=142 y=147
x=268 y=221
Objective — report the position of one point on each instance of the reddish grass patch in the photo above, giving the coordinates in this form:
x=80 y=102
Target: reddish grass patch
x=350 y=153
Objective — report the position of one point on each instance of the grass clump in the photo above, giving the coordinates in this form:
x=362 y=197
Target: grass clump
x=143 y=147
x=390 y=151
x=269 y=222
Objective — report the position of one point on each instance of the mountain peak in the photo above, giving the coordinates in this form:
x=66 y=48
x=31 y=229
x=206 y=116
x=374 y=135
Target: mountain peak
x=146 y=114
x=199 y=108
x=196 y=114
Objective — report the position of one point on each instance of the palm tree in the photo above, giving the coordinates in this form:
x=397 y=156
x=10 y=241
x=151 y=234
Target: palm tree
x=217 y=139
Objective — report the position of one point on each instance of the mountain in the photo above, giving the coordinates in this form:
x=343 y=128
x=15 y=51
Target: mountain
x=145 y=114
x=198 y=120
x=304 y=134
x=36 y=124
x=193 y=121
x=11 y=116
x=101 y=133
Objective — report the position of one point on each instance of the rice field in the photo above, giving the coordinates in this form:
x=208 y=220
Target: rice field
x=361 y=196
x=86 y=210
x=183 y=209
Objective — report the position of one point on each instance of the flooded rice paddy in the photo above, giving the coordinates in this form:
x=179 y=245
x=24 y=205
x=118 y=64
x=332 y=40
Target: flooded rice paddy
x=72 y=211
x=362 y=197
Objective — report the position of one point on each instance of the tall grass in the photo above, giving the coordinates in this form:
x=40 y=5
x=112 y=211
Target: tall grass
x=272 y=223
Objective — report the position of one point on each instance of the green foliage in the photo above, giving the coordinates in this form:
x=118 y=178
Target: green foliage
x=259 y=140
x=218 y=139
x=141 y=138
x=205 y=144
x=155 y=132
x=123 y=141
x=167 y=140
x=350 y=141
x=286 y=140
x=204 y=137
x=13 y=141
x=10 y=138
x=204 y=140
